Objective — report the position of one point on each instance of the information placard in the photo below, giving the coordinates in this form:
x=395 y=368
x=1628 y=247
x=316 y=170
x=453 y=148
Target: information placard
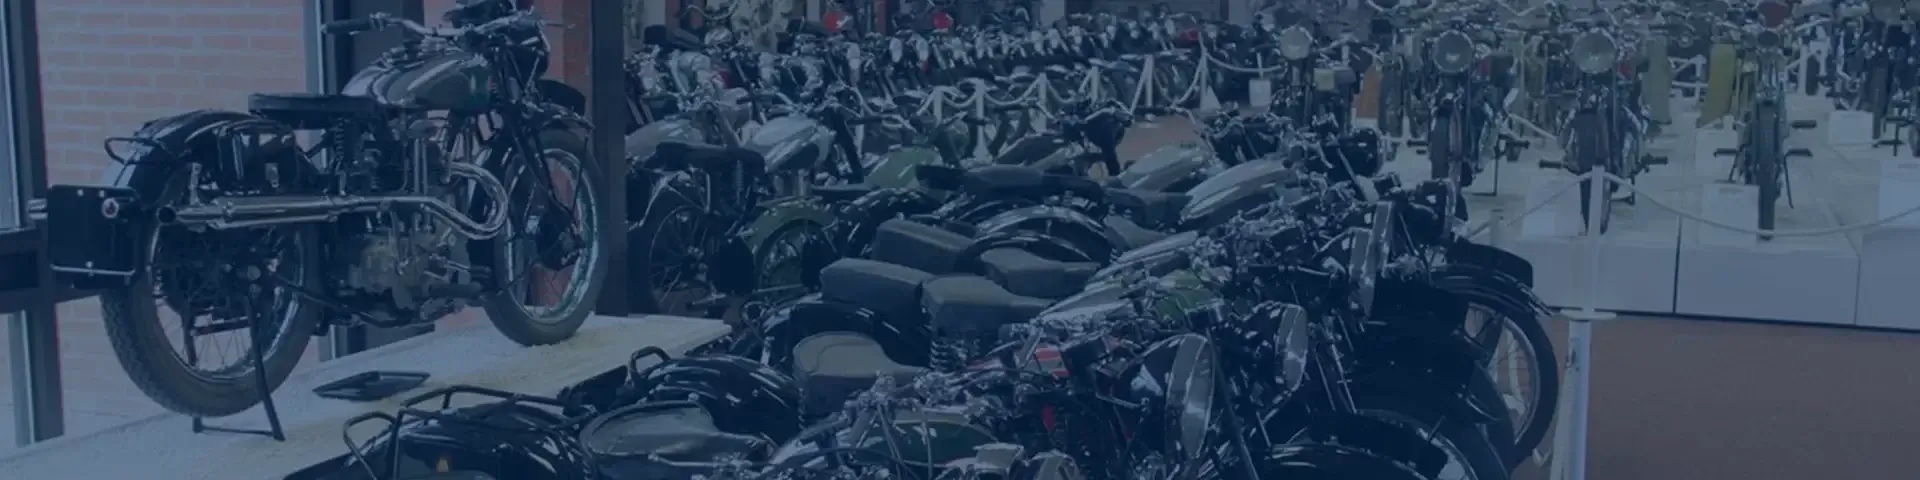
x=1900 y=189
x=1260 y=94
x=1730 y=204
x=1847 y=128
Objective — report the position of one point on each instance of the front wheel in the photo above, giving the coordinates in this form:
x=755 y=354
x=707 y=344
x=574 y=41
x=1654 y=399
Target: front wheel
x=552 y=260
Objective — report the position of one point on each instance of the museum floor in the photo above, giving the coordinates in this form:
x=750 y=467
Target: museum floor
x=1703 y=399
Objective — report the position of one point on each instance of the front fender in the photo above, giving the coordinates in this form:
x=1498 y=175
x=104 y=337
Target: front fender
x=1506 y=263
x=1089 y=235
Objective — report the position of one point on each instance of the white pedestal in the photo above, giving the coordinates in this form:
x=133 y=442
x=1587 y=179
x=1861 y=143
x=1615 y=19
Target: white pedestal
x=1887 y=278
x=1705 y=142
x=1900 y=190
x=1561 y=216
x=1847 y=128
x=1729 y=204
x=1636 y=254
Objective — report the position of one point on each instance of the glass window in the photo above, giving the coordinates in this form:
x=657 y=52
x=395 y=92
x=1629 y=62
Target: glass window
x=108 y=67
x=10 y=199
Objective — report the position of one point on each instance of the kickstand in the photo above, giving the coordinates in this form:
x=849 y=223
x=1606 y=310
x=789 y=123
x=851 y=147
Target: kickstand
x=260 y=383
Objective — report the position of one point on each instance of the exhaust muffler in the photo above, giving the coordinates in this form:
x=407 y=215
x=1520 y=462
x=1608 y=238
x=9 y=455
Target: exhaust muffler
x=250 y=212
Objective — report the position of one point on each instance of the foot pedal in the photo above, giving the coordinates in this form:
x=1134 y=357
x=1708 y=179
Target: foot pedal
x=371 y=386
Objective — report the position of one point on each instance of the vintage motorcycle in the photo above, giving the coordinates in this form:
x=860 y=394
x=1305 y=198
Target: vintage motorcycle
x=442 y=179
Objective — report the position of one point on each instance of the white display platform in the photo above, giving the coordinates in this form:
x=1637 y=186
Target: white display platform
x=1887 y=294
x=1723 y=273
x=1858 y=178
x=164 y=446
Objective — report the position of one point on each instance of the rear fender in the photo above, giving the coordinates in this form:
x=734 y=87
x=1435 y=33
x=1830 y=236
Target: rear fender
x=1045 y=246
x=1088 y=235
x=563 y=95
x=182 y=138
x=865 y=214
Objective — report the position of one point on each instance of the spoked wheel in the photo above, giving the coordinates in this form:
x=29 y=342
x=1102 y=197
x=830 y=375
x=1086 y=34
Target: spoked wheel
x=671 y=250
x=182 y=332
x=1522 y=368
x=552 y=262
x=781 y=265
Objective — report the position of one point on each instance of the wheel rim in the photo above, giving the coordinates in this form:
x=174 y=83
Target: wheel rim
x=171 y=283
x=540 y=250
x=673 y=262
x=782 y=275
x=1517 y=381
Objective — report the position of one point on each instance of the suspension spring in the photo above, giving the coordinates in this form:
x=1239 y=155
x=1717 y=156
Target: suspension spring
x=950 y=354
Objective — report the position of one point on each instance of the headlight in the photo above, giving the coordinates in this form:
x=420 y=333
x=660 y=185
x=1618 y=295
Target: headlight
x=1768 y=39
x=1453 y=52
x=1296 y=43
x=1594 y=53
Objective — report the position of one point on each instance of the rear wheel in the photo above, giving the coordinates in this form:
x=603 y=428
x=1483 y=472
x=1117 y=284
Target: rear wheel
x=552 y=259
x=1766 y=158
x=181 y=331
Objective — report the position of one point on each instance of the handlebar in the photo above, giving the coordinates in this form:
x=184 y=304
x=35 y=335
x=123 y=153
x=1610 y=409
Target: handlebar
x=382 y=21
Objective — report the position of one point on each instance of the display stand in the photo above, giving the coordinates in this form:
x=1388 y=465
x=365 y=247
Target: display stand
x=1570 y=456
x=260 y=383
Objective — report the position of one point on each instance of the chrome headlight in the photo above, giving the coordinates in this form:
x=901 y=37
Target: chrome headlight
x=1595 y=53
x=1453 y=52
x=1296 y=43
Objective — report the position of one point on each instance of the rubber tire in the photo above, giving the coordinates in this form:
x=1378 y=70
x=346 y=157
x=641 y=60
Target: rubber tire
x=146 y=352
x=506 y=313
x=1476 y=450
x=1440 y=149
x=1767 y=159
x=1577 y=150
x=1540 y=345
x=642 y=234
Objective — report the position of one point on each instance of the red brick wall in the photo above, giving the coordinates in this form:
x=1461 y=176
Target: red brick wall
x=107 y=66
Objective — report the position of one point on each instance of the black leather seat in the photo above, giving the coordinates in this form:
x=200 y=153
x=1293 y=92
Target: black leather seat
x=842 y=193
x=676 y=153
x=309 y=111
x=1011 y=180
x=834 y=366
x=1135 y=235
x=973 y=305
x=888 y=289
x=1156 y=207
x=1023 y=273
x=920 y=246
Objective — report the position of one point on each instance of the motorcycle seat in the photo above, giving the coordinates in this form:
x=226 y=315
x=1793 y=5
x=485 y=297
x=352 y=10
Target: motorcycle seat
x=923 y=247
x=1132 y=233
x=832 y=367
x=888 y=289
x=674 y=432
x=842 y=193
x=1022 y=273
x=309 y=111
x=673 y=152
x=974 y=305
x=1158 y=207
x=1004 y=180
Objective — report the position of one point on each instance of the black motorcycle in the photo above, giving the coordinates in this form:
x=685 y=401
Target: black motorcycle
x=441 y=178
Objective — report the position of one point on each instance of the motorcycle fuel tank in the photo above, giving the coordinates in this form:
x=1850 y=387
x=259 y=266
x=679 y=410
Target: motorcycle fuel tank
x=641 y=143
x=1245 y=185
x=1164 y=168
x=452 y=80
x=791 y=143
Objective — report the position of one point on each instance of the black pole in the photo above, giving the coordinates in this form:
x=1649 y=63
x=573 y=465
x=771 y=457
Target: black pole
x=339 y=58
x=607 y=110
x=35 y=350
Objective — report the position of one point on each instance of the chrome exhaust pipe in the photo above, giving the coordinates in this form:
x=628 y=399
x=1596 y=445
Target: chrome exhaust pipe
x=250 y=212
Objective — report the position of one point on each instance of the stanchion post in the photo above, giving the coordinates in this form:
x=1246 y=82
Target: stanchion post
x=1580 y=331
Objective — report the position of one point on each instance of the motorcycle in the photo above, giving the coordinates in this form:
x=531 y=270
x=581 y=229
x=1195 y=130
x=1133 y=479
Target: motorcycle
x=393 y=218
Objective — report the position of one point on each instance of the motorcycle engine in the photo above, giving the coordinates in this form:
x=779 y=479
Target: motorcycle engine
x=397 y=260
